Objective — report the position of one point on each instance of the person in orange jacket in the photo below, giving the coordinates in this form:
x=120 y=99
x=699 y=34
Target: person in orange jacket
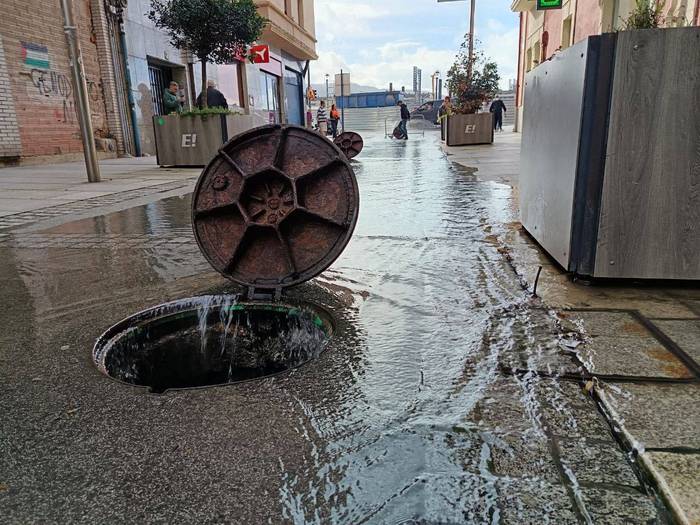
x=335 y=117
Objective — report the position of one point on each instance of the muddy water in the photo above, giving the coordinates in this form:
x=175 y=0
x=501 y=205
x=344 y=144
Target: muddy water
x=448 y=394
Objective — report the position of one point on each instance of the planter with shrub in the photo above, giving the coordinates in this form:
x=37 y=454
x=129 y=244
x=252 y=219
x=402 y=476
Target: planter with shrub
x=472 y=81
x=194 y=137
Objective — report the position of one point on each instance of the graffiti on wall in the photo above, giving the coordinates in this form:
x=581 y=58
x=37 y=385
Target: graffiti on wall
x=50 y=83
x=52 y=86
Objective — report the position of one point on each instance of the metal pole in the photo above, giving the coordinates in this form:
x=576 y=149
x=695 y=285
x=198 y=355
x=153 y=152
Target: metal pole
x=81 y=93
x=129 y=91
x=342 y=100
x=471 y=38
x=327 y=94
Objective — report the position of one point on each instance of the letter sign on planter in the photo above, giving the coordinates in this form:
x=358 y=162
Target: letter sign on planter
x=549 y=4
x=189 y=140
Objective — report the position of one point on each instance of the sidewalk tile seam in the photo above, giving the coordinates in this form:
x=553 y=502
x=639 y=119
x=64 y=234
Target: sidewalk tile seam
x=656 y=332
x=689 y=451
x=670 y=345
x=588 y=376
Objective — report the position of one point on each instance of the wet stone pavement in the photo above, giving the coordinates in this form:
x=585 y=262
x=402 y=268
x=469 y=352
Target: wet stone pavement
x=447 y=394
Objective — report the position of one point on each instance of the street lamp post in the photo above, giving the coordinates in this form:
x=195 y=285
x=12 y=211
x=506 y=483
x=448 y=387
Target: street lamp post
x=327 y=96
x=472 y=11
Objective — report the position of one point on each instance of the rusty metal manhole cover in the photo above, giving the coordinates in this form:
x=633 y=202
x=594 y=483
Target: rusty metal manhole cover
x=275 y=207
x=349 y=143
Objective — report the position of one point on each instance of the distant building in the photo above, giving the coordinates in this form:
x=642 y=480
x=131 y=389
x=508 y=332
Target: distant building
x=417 y=80
x=543 y=33
x=374 y=99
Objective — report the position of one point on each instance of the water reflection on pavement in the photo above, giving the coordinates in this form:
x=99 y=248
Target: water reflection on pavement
x=447 y=395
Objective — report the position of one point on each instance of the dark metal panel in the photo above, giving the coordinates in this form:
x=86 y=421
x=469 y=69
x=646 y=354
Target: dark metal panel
x=591 y=159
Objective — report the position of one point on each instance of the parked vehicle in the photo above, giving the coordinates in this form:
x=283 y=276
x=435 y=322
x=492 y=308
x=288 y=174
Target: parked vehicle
x=428 y=110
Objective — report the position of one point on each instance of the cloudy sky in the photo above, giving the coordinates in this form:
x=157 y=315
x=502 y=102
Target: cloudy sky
x=380 y=41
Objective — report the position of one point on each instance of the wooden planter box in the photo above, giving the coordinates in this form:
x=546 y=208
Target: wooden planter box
x=464 y=130
x=194 y=140
x=609 y=167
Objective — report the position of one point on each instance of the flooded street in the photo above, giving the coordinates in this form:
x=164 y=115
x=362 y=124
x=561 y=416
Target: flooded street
x=446 y=395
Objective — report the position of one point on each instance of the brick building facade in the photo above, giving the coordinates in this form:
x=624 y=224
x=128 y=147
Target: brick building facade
x=128 y=63
x=37 y=68
x=10 y=145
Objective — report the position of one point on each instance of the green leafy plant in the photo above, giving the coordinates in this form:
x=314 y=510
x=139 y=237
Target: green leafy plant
x=217 y=31
x=647 y=14
x=206 y=111
x=471 y=80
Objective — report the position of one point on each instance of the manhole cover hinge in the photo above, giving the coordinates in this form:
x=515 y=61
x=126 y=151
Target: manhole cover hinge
x=264 y=294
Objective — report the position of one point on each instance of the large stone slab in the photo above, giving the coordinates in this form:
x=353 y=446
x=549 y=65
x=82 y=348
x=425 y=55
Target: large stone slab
x=535 y=502
x=681 y=472
x=637 y=356
x=569 y=413
x=607 y=507
x=685 y=333
x=618 y=324
x=658 y=415
x=595 y=463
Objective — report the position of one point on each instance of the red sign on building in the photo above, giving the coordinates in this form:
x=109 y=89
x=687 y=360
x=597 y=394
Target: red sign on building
x=260 y=54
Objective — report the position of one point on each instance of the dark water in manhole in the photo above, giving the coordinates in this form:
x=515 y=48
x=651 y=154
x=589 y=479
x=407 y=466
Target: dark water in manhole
x=211 y=340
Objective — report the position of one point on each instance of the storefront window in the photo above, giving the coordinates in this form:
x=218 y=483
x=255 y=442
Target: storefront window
x=269 y=90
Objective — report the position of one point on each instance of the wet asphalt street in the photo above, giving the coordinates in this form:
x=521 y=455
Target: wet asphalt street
x=447 y=394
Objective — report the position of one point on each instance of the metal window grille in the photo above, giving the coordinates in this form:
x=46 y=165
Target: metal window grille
x=157 y=78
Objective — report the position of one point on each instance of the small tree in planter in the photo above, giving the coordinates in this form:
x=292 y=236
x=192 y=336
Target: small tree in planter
x=218 y=31
x=471 y=81
x=647 y=14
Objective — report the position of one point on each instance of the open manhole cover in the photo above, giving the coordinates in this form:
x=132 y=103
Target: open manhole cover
x=350 y=143
x=275 y=207
x=211 y=340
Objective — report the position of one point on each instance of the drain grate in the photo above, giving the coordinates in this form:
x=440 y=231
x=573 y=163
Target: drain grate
x=212 y=340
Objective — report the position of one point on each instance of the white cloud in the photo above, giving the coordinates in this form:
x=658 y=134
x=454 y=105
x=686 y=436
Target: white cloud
x=502 y=48
x=394 y=64
x=377 y=46
x=352 y=18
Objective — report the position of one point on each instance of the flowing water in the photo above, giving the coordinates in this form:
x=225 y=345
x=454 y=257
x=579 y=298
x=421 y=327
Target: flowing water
x=447 y=394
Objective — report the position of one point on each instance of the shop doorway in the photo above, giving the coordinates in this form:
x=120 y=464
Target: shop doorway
x=294 y=97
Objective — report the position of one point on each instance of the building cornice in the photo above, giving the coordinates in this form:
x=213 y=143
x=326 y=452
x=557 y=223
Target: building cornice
x=519 y=6
x=266 y=4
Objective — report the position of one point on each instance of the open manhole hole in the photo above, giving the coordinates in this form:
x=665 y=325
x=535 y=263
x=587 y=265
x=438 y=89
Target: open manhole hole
x=212 y=340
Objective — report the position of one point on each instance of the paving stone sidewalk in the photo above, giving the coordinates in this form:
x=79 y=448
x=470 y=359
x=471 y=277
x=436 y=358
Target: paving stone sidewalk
x=30 y=194
x=639 y=343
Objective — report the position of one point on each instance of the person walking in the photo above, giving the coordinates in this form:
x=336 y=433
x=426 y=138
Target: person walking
x=497 y=108
x=405 y=117
x=215 y=98
x=322 y=119
x=335 y=117
x=172 y=102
